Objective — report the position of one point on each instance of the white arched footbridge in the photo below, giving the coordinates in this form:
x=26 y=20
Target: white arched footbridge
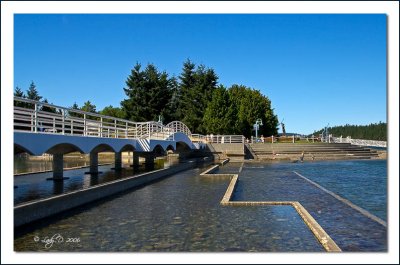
x=45 y=128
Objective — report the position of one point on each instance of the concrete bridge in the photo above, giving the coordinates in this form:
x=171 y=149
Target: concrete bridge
x=45 y=128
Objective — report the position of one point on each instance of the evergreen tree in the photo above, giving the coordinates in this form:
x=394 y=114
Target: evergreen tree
x=19 y=93
x=373 y=131
x=149 y=93
x=48 y=109
x=196 y=88
x=74 y=114
x=172 y=112
x=32 y=92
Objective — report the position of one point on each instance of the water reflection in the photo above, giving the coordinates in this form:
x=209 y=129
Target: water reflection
x=35 y=186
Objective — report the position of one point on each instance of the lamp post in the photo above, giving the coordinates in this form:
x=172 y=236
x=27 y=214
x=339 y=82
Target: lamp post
x=256 y=126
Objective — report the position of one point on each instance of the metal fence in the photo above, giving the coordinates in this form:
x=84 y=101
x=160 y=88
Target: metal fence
x=38 y=117
x=360 y=142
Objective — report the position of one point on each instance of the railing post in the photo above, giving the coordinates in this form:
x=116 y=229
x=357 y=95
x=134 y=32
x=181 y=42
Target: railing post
x=272 y=141
x=36 y=117
x=101 y=126
x=115 y=128
x=136 y=127
x=63 y=121
x=32 y=123
x=84 y=124
x=72 y=127
x=293 y=138
x=126 y=129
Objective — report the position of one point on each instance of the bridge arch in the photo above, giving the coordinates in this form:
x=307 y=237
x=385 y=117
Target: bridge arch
x=127 y=148
x=19 y=149
x=63 y=148
x=159 y=150
x=102 y=148
x=182 y=146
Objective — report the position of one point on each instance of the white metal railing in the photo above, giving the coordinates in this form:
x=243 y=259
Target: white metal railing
x=39 y=117
x=360 y=142
x=224 y=139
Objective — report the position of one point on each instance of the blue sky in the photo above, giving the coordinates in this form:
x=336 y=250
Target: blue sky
x=316 y=69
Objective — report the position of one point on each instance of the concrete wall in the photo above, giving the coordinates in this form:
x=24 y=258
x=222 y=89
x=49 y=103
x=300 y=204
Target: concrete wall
x=231 y=151
x=33 y=211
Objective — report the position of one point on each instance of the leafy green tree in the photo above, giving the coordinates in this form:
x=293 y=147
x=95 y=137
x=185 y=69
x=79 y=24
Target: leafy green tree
x=234 y=111
x=89 y=107
x=248 y=105
x=218 y=116
x=113 y=112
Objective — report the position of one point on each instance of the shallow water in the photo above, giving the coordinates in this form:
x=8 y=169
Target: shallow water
x=362 y=182
x=351 y=230
x=32 y=187
x=183 y=213
x=179 y=213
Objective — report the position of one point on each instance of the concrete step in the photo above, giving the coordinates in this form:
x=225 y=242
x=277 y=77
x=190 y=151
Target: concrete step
x=316 y=152
x=315 y=157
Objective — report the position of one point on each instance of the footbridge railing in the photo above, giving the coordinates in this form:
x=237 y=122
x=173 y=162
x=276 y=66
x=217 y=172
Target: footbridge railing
x=39 y=117
x=360 y=142
x=225 y=139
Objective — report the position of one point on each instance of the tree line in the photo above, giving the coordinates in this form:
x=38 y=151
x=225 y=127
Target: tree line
x=373 y=131
x=194 y=97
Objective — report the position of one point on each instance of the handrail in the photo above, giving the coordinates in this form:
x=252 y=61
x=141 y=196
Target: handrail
x=30 y=116
x=361 y=142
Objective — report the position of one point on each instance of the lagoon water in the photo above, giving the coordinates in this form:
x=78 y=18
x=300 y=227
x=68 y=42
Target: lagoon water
x=30 y=187
x=182 y=212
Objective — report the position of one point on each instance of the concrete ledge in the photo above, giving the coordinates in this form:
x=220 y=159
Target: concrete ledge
x=210 y=170
x=229 y=191
x=224 y=162
x=323 y=238
x=33 y=211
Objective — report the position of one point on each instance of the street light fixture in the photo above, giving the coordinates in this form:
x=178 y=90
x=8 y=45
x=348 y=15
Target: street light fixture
x=257 y=126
